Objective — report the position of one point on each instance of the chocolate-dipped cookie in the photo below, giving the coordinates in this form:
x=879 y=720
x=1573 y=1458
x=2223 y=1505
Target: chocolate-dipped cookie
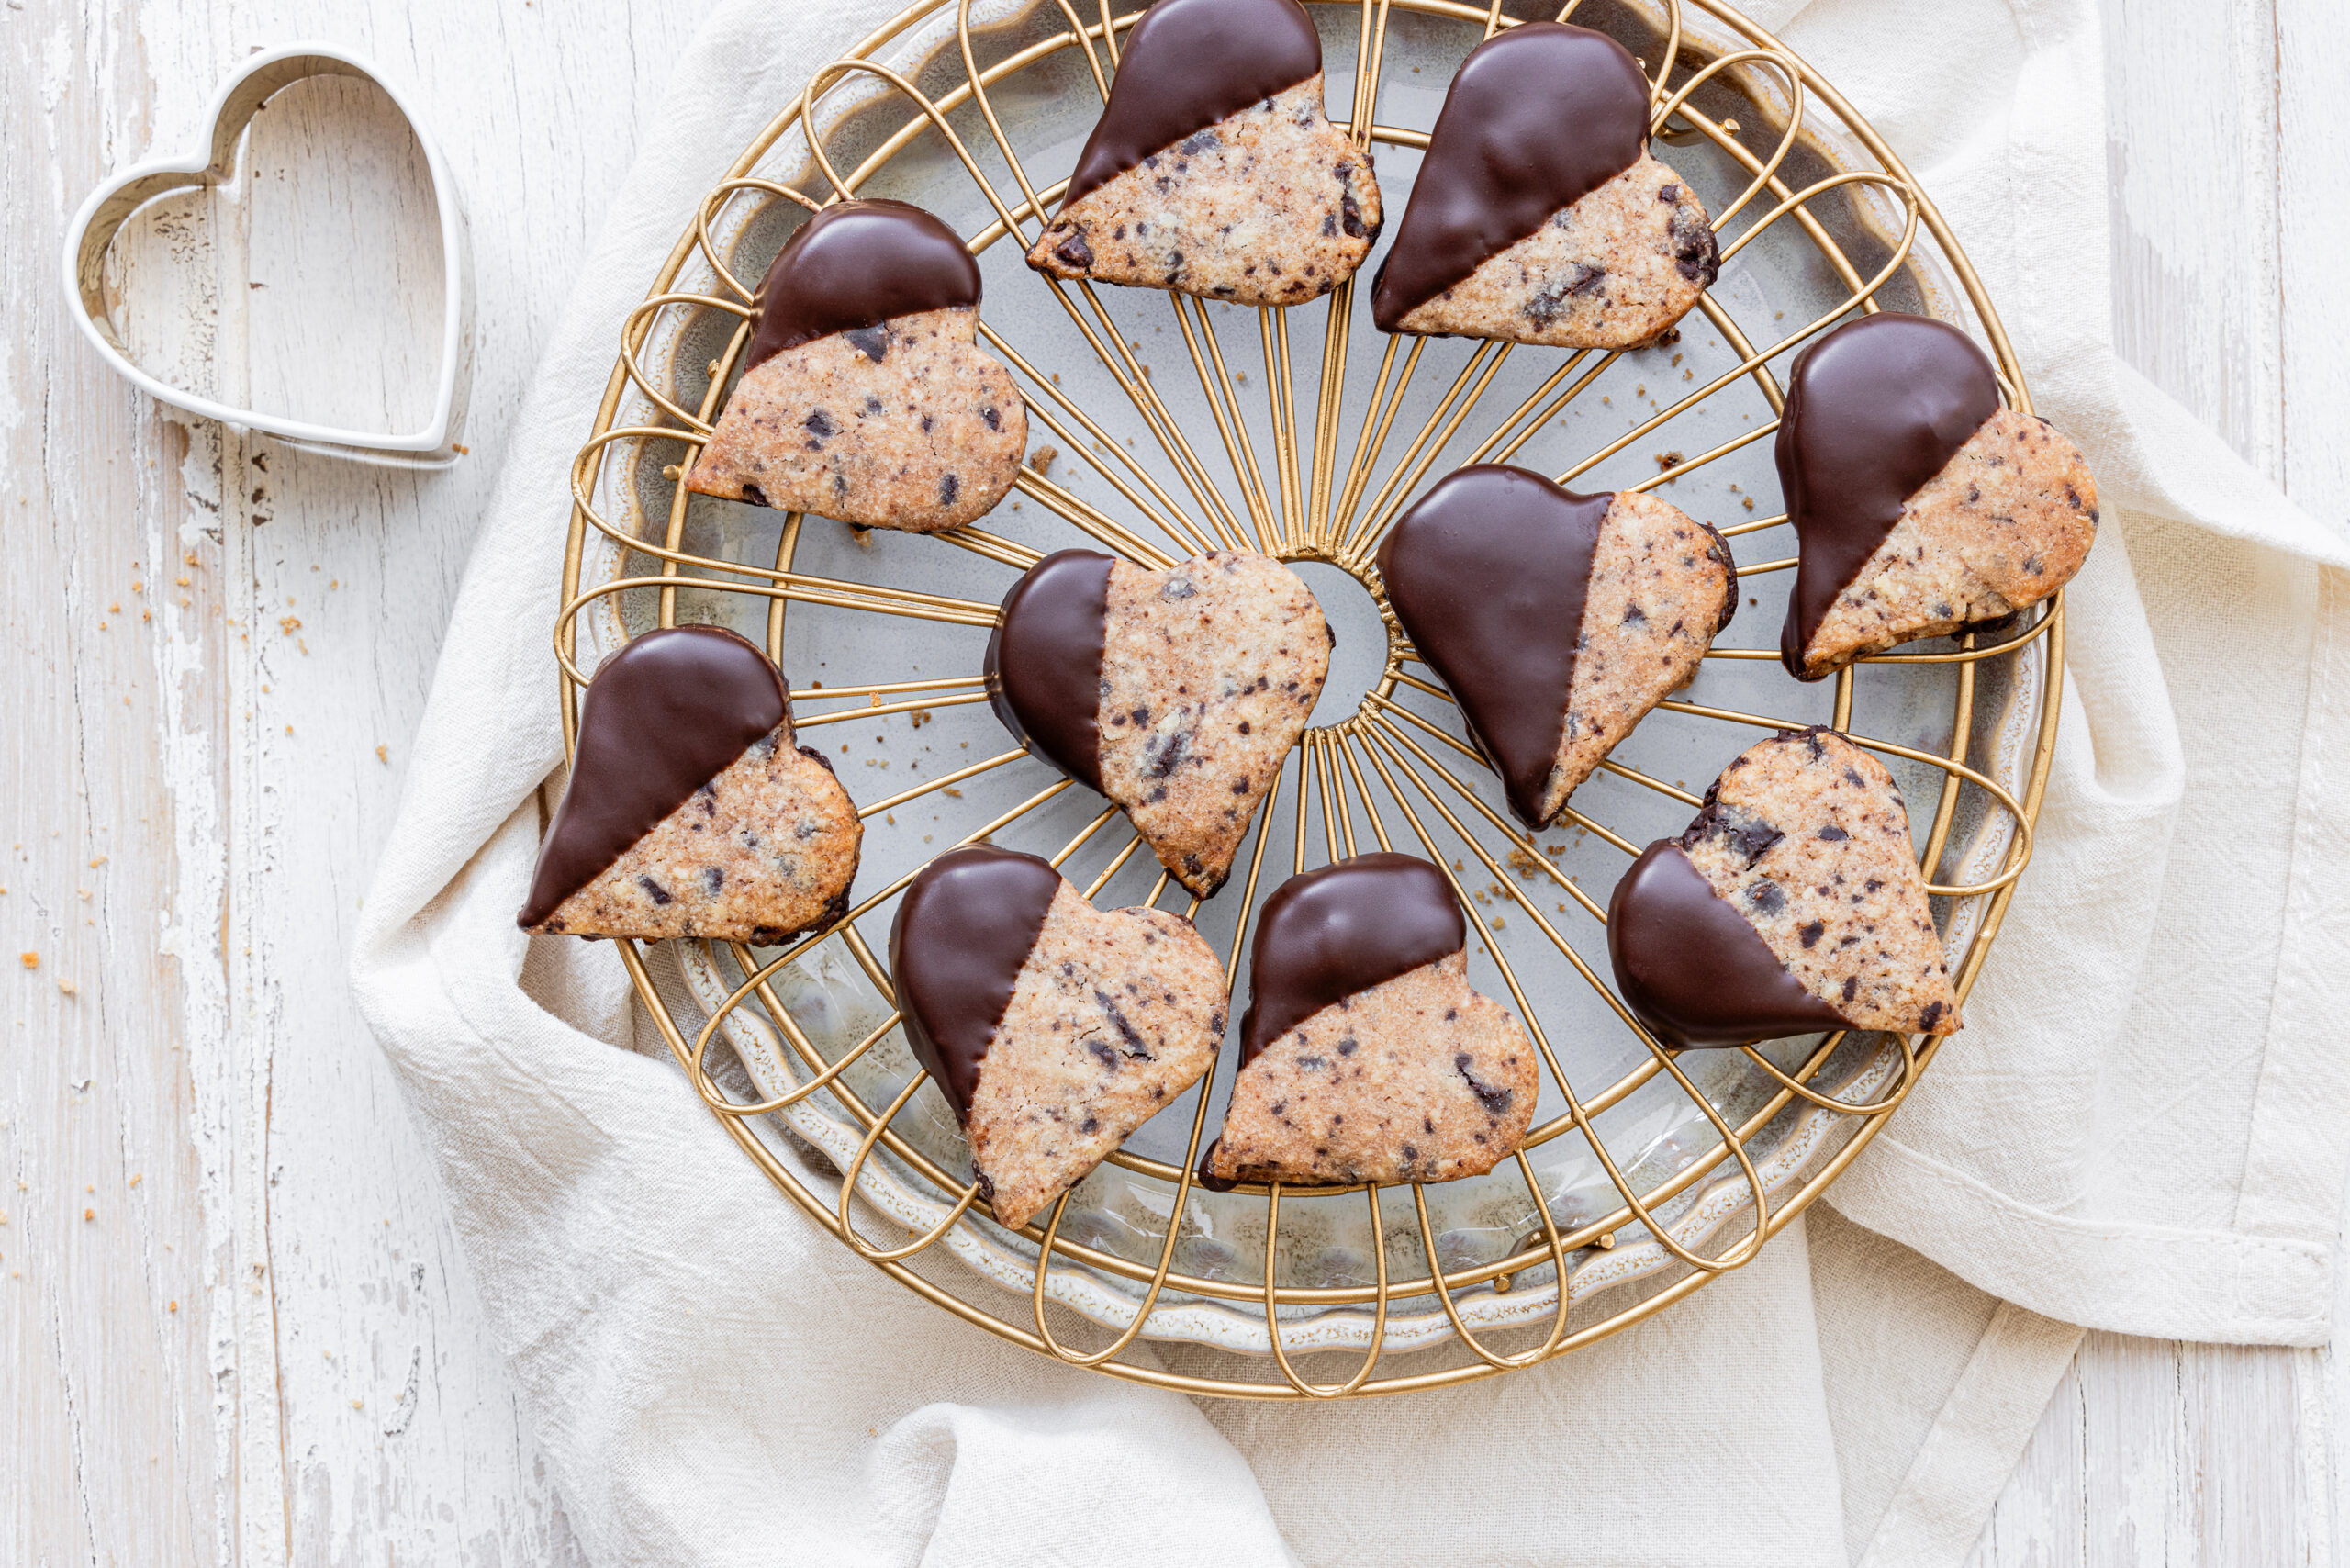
x=863 y=397
x=1539 y=215
x=690 y=812
x=1176 y=693
x=1214 y=170
x=1558 y=621
x=1365 y=1055
x=1054 y=1029
x=1920 y=505
x=1792 y=905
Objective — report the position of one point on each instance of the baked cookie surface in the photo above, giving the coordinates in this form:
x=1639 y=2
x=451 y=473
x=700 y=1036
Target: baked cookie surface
x=690 y=812
x=865 y=397
x=1539 y=215
x=1055 y=1029
x=1612 y=271
x=1366 y=1055
x=1920 y=505
x=1214 y=170
x=1176 y=693
x=1804 y=845
x=1556 y=621
x=1272 y=205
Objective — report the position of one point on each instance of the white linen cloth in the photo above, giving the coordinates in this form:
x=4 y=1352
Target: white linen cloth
x=2141 y=1128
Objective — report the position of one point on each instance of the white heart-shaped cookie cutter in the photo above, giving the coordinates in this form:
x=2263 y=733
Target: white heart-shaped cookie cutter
x=434 y=445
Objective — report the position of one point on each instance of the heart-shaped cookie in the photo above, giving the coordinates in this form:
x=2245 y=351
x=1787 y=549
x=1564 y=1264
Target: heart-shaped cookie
x=1054 y=1029
x=1214 y=170
x=432 y=444
x=1538 y=215
x=690 y=812
x=1365 y=1055
x=1792 y=904
x=1920 y=505
x=1557 y=620
x=864 y=397
x=1175 y=693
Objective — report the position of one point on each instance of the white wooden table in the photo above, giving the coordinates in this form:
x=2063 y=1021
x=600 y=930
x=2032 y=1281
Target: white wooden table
x=236 y=1329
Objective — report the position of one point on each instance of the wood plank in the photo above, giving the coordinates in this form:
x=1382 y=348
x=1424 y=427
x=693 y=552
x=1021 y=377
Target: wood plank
x=326 y=1390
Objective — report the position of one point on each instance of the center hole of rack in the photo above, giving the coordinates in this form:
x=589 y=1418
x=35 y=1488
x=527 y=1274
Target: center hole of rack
x=1360 y=657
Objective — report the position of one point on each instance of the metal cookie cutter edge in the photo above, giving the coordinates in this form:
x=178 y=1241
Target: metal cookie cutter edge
x=258 y=79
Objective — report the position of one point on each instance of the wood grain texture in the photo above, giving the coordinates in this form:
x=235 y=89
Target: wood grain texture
x=2230 y=177
x=236 y=1329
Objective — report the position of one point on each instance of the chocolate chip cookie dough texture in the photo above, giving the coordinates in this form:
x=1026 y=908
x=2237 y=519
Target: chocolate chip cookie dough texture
x=1176 y=693
x=863 y=395
x=1539 y=215
x=1365 y=1055
x=1053 y=1028
x=1792 y=904
x=689 y=812
x=1922 y=507
x=1214 y=170
x=1558 y=621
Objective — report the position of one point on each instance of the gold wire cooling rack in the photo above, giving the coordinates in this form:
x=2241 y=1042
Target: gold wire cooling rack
x=822 y=1096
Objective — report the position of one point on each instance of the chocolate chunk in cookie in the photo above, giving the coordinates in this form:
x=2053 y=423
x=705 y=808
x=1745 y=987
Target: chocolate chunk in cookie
x=1053 y=1028
x=1920 y=505
x=1792 y=904
x=1214 y=170
x=1539 y=215
x=690 y=812
x=863 y=397
x=1176 y=693
x=1365 y=1055
x=1558 y=621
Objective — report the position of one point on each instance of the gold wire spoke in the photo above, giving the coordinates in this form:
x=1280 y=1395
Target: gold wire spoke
x=1379 y=1309
x=1884 y=1107
x=1452 y=1311
x=1428 y=440
x=849 y=1233
x=1223 y=407
x=718 y=196
x=1117 y=864
x=994 y=547
x=1501 y=431
x=886 y=687
x=1751 y=361
x=715 y=1098
x=1097 y=526
x=1378 y=420
x=1772 y=60
x=916 y=705
x=1568 y=816
x=1672 y=54
x=1273 y=326
x=638 y=324
x=1733 y=1258
x=1173 y=521
x=1385 y=510
x=1690 y=465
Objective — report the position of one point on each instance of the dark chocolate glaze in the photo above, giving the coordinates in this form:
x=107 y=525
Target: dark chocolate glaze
x=662 y=717
x=1689 y=966
x=1044 y=663
x=1487 y=573
x=856 y=265
x=1873 y=411
x=1187 y=64
x=1329 y=934
x=964 y=928
x=1537 y=119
